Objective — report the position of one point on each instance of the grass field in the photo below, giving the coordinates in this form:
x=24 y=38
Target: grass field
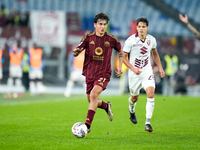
x=44 y=123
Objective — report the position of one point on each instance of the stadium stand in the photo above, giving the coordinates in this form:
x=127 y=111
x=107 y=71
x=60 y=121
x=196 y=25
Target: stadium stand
x=121 y=13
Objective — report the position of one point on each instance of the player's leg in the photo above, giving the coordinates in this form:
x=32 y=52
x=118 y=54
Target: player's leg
x=18 y=82
x=93 y=99
x=132 y=103
x=149 y=107
x=39 y=84
x=134 y=86
x=32 y=83
x=10 y=82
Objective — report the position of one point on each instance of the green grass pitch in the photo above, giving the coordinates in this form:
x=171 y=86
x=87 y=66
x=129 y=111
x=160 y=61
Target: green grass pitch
x=44 y=123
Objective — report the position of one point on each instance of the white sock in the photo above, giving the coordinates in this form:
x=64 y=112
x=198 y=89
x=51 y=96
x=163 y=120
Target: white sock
x=131 y=105
x=149 y=109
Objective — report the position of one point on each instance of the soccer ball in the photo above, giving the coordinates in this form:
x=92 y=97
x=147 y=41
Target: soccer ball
x=79 y=130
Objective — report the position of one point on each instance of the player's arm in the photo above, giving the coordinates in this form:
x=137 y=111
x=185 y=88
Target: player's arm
x=184 y=19
x=120 y=57
x=127 y=63
x=77 y=51
x=157 y=61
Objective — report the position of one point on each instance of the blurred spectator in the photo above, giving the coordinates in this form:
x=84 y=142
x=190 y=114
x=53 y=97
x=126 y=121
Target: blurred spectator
x=180 y=84
x=76 y=73
x=132 y=27
x=3 y=14
x=158 y=80
x=171 y=67
x=1 y=61
x=3 y=10
x=25 y=65
x=36 y=70
x=15 y=71
x=193 y=29
x=24 y=19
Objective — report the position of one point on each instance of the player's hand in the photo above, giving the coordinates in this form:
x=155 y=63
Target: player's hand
x=118 y=72
x=137 y=71
x=77 y=51
x=183 y=19
x=162 y=73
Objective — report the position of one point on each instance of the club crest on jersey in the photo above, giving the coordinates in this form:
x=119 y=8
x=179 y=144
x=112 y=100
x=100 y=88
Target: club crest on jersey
x=148 y=42
x=107 y=44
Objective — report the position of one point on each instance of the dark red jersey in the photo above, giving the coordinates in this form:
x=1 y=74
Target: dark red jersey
x=98 y=52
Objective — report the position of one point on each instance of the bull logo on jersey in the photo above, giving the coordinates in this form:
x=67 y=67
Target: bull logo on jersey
x=148 y=42
x=143 y=50
x=98 y=51
x=107 y=44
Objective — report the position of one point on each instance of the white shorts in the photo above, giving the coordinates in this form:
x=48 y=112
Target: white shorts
x=76 y=75
x=138 y=82
x=15 y=71
x=1 y=74
x=35 y=73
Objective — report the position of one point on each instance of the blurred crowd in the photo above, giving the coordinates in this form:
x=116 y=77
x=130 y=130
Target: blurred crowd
x=13 y=17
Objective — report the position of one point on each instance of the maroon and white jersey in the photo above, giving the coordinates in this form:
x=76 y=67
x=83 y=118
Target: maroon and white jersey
x=98 y=52
x=140 y=52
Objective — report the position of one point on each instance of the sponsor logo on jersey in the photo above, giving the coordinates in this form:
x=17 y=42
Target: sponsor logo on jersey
x=92 y=42
x=134 y=45
x=143 y=50
x=98 y=51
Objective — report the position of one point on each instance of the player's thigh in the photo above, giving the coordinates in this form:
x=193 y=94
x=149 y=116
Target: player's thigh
x=32 y=74
x=15 y=71
x=148 y=84
x=39 y=74
x=135 y=84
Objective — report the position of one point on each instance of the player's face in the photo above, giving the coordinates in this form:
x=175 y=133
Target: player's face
x=142 y=28
x=100 y=27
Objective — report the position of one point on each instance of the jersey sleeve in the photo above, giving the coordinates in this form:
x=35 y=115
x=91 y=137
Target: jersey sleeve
x=117 y=45
x=83 y=42
x=127 y=46
x=154 y=44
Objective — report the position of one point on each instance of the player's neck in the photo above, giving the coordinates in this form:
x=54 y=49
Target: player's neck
x=142 y=37
x=100 y=34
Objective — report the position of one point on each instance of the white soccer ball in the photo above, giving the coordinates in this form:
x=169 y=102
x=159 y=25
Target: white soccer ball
x=79 y=130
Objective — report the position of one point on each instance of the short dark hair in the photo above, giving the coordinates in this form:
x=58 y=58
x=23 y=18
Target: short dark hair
x=101 y=16
x=143 y=19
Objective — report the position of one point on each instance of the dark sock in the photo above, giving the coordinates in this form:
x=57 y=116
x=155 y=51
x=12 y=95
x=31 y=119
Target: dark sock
x=88 y=126
x=89 y=118
x=104 y=106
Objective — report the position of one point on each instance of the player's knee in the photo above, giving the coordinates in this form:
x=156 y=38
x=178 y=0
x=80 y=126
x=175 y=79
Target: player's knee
x=134 y=98
x=150 y=95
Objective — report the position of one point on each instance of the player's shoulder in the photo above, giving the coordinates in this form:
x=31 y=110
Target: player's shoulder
x=88 y=35
x=131 y=38
x=112 y=36
x=150 y=37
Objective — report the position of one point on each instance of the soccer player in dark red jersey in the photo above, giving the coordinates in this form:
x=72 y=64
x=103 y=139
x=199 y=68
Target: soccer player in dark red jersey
x=184 y=19
x=97 y=65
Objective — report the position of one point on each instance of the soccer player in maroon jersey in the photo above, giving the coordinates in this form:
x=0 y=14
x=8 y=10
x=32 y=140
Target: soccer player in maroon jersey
x=97 y=65
x=193 y=29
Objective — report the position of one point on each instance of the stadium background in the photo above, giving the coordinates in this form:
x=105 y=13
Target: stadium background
x=73 y=18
